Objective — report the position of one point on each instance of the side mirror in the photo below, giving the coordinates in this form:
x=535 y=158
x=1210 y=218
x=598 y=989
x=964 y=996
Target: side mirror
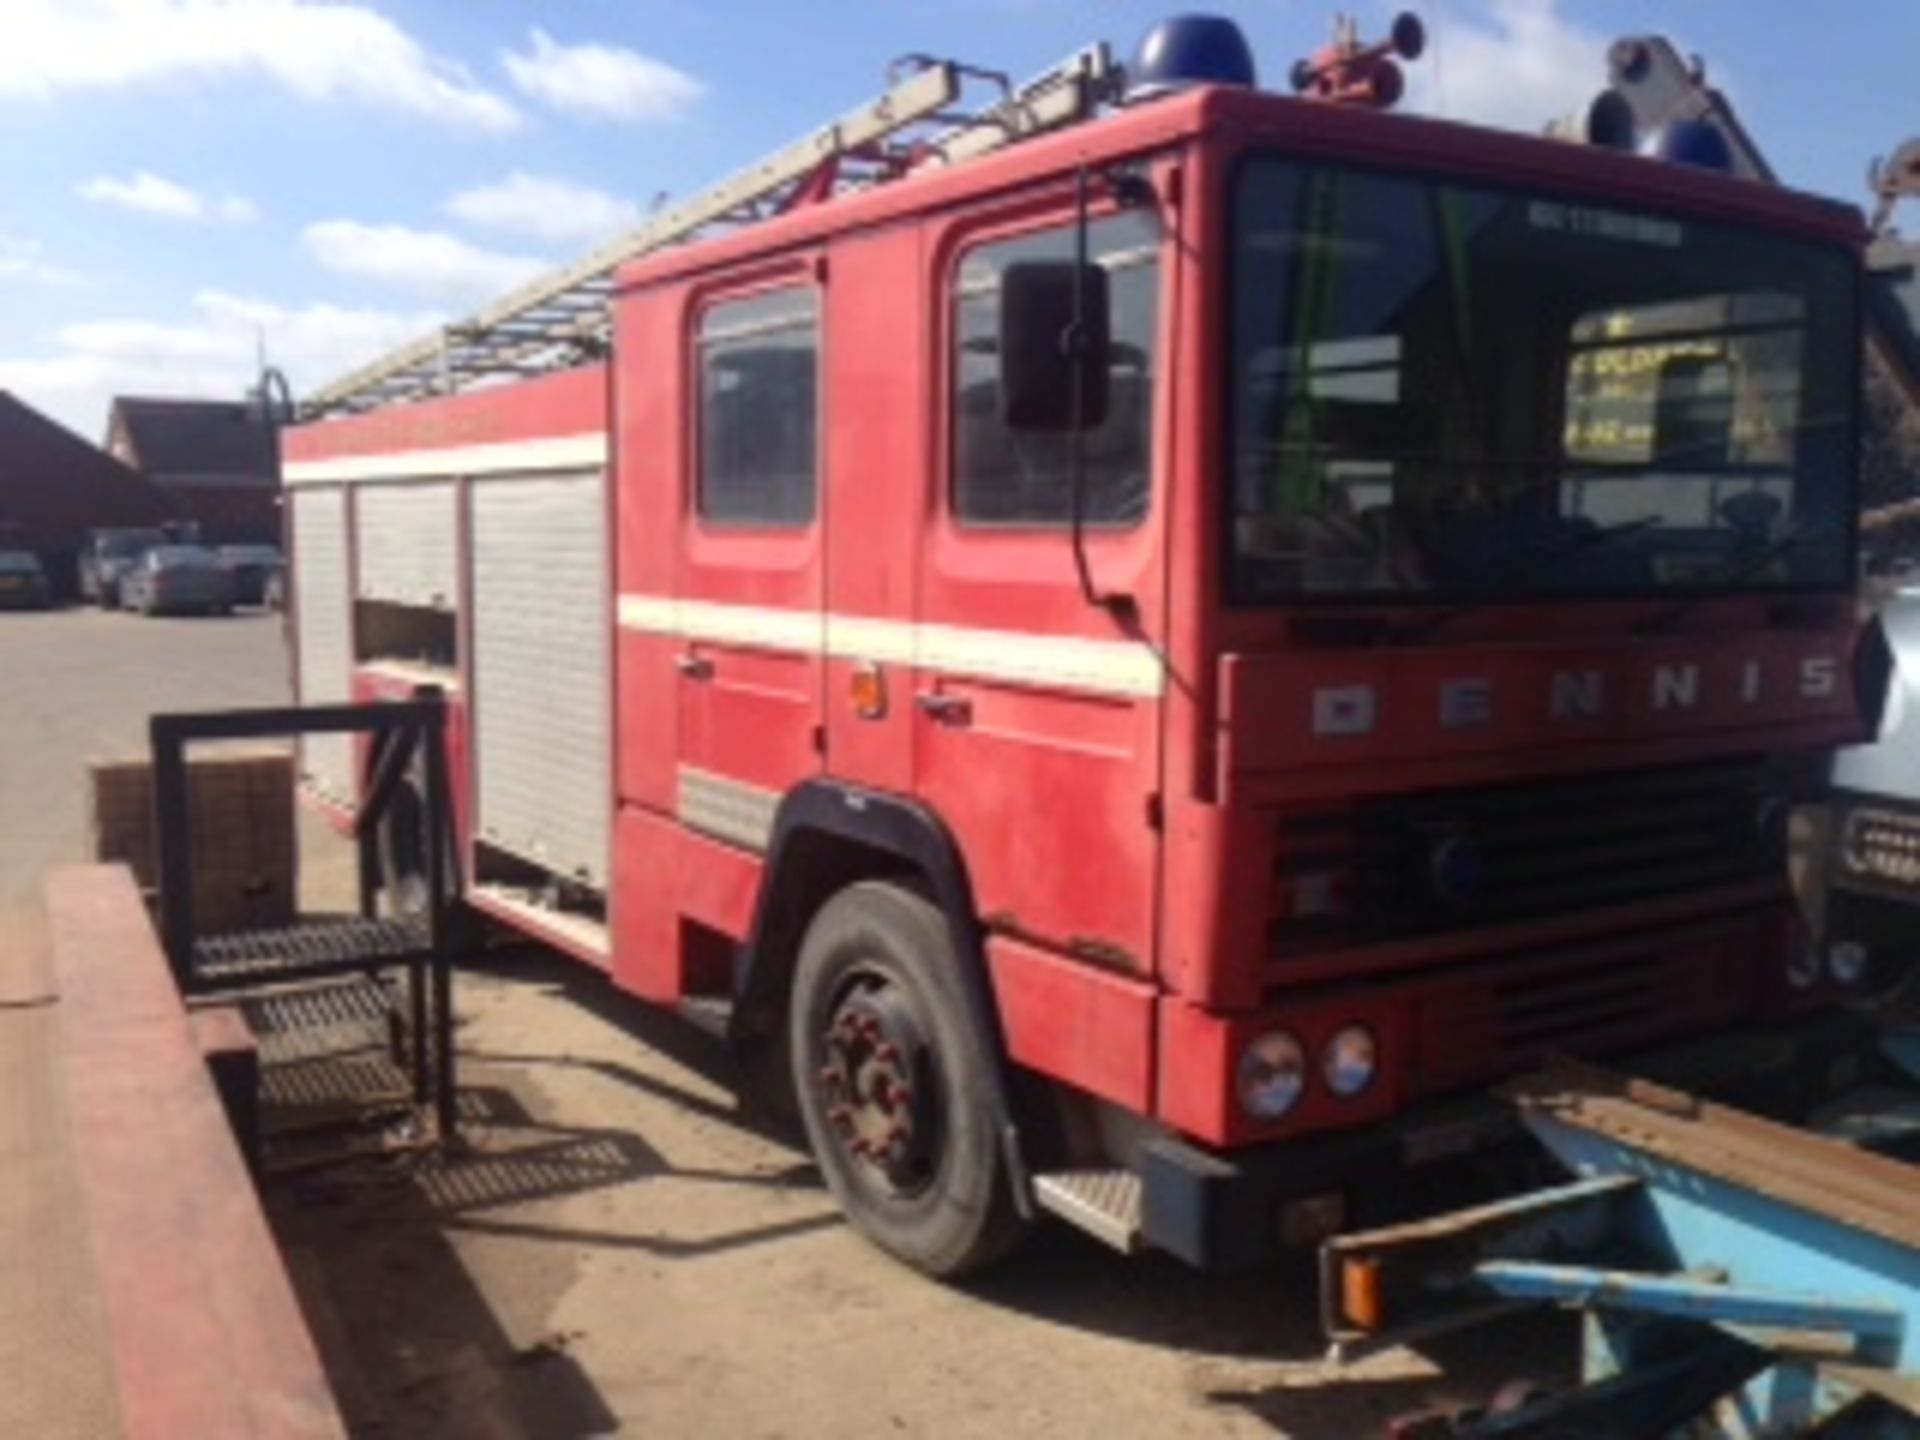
x=1040 y=350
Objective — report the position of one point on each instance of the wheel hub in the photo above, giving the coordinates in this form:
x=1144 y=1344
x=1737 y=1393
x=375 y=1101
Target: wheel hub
x=876 y=1080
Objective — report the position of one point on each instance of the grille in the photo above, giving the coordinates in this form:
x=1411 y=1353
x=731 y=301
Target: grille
x=1428 y=863
x=1472 y=1028
x=1880 y=849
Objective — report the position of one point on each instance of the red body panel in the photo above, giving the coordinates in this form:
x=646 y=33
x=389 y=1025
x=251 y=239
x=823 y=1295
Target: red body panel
x=879 y=351
x=571 y=402
x=1085 y=1027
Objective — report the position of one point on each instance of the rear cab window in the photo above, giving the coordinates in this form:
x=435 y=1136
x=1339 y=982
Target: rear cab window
x=758 y=389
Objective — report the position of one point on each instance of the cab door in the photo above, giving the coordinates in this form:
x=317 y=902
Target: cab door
x=748 y=597
x=1038 y=724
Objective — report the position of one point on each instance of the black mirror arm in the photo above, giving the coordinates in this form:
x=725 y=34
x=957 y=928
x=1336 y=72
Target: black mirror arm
x=1074 y=343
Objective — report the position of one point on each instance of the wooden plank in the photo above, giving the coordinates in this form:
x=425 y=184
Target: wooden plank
x=206 y=1336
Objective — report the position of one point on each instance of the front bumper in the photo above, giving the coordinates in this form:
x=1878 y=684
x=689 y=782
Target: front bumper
x=1220 y=1209
x=175 y=598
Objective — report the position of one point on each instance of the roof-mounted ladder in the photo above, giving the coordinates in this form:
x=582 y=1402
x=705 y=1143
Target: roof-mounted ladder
x=561 y=318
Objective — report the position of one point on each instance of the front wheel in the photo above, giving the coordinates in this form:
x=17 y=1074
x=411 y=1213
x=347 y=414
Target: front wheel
x=894 y=1083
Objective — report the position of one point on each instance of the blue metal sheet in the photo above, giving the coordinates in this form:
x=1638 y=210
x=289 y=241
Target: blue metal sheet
x=1688 y=1298
x=1758 y=1242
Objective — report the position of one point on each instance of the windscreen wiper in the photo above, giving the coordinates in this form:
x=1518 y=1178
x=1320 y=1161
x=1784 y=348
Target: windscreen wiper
x=1526 y=562
x=1738 y=567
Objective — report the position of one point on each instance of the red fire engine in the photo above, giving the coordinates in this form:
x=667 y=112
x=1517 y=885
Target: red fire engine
x=1136 y=666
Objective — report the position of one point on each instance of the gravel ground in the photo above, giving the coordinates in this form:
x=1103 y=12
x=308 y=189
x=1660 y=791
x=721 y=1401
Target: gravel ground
x=624 y=1251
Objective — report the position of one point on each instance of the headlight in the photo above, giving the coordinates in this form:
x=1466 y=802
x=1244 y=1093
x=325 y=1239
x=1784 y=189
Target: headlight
x=1273 y=1073
x=1847 y=962
x=1803 y=965
x=1349 y=1061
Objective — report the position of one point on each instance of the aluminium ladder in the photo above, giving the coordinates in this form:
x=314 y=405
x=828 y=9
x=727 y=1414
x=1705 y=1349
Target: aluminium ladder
x=560 y=319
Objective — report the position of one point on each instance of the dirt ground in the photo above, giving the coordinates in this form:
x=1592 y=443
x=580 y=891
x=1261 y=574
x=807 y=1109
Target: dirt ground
x=623 y=1251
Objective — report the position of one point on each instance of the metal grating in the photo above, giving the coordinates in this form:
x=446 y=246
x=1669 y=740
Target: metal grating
x=324 y=633
x=258 y=957
x=1495 y=1021
x=1106 y=1203
x=561 y=319
x=542 y=749
x=1536 y=848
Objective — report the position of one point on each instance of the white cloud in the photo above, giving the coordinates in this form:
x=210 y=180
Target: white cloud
x=20 y=260
x=319 y=51
x=545 y=208
x=600 y=82
x=210 y=355
x=1526 y=64
x=156 y=195
x=428 y=261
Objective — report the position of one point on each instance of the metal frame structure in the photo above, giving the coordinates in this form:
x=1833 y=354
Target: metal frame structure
x=367 y=944
x=561 y=319
x=1724 y=1265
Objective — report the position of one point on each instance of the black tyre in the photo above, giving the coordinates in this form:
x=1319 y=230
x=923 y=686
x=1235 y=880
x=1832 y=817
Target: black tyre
x=893 y=1083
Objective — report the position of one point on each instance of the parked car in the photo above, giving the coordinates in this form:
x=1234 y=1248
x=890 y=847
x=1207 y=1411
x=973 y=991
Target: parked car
x=253 y=568
x=179 y=579
x=23 y=581
x=108 y=555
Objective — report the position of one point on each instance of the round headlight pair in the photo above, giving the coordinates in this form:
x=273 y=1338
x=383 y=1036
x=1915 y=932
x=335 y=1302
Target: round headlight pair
x=1273 y=1069
x=1846 y=963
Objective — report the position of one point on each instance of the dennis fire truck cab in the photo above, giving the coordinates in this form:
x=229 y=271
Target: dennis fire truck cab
x=1137 y=669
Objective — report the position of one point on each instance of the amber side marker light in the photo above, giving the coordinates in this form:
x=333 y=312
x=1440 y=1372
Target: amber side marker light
x=1360 y=1293
x=869 y=691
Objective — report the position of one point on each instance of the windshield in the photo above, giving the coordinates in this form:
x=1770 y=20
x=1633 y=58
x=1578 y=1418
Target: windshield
x=19 y=562
x=1440 y=390
x=249 y=555
x=181 y=557
x=130 y=543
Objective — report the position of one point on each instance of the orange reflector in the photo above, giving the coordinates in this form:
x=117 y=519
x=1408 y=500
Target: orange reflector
x=869 y=690
x=1360 y=1293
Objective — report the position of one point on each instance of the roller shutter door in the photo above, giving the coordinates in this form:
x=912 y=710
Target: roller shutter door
x=323 y=633
x=406 y=534
x=540 y=670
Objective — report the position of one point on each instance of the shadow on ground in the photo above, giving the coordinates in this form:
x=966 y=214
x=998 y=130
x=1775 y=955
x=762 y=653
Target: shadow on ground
x=1256 y=1332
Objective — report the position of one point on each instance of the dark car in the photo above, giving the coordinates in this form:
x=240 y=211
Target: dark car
x=253 y=568
x=23 y=581
x=178 y=579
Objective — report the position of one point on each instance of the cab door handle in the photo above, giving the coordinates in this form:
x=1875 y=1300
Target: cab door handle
x=944 y=709
x=694 y=667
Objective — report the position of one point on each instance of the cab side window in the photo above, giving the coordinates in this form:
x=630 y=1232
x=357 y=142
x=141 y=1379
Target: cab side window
x=759 y=365
x=1004 y=477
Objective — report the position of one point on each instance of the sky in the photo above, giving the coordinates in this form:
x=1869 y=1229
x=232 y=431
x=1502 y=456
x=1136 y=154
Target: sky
x=182 y=181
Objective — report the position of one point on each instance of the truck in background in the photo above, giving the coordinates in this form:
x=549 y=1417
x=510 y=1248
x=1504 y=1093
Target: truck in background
x=1134 y=669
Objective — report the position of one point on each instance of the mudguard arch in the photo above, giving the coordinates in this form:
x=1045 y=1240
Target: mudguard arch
x=903 y=830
